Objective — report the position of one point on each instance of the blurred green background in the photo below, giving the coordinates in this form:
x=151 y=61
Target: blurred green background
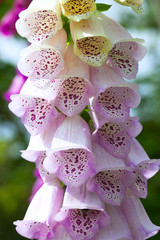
x=16 y=176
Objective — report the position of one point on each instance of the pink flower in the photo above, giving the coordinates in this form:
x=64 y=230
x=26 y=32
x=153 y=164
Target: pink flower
x=39 y=219
x=70 y=89
x=139 y=223
x=112 y=177
x=82 y=214
x=70 y=156
x=47 y=21
x=113 y=97
x=43 y=62
x=116 y=138
x=117 y=228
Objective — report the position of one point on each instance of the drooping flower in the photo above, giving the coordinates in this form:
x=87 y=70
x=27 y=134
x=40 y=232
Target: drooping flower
x=82 y=214
x=70 y=89
x=114 y=97
x=116 y=138
x=143 y=168
x=91 y=43
x=35 y=112
x=77 y=10
x=70 y=156
x=117 y=228
x=39 y=219
x=134 y=4
x=139 y=223
x=112 y=177
x=43 y=62
x=46 y=16
x=126 y=51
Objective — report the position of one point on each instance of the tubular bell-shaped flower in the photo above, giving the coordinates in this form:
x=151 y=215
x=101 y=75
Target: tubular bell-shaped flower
x=82 y=214
x=112 y=177
x=43 y=141
x=91 y=43
x=70 y=156
x=70 y=89
x=116 y=138
x=143 y=172
x=117 y=229
x=43 y=62
x=114 y=97
x=36 y=113
x=126 y=51
x=39 y=144
x=139 y=223
x=77 y=10
x=143 y=168
x=46 y=16
x=134 y=4
x=39 y=218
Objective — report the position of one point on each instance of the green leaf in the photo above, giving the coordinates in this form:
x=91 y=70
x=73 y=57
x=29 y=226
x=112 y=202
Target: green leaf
x=103 y=7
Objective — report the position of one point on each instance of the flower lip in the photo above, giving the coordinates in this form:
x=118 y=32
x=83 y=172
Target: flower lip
x=77 y=10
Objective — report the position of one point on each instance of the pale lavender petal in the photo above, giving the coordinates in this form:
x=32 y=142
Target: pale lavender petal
x=117 y=229
x=123 y=60
x=137 y=154
x=71 y=157
x=116 y=137
x=20 y=103
x=81 y=198
x=43 y=141
x=139 y=187
x=38 y=118
x=105 y=161
x=111 y=185
x=46 y=18
x=45 y=175
x=42 y=63
x=113 y=30
x=114 y=97
x=82 y=220
x=39 y=219
x=83 y=225
x=144 y=171
x=66 y=135
x=72 y=166
x=72 y=94
x=36 y=113
x=140 y=225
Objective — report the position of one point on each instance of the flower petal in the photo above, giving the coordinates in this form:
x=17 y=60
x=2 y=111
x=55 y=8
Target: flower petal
x=77 y=10
x=140 y=225
x=46 y=18
x=116 y=137
x=91 y=43
x=118 y=227
x=45 y=62
x=124 y=57
x=39 y=219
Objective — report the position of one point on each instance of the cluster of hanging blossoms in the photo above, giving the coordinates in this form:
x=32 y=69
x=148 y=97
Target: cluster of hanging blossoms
x=91 y=170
